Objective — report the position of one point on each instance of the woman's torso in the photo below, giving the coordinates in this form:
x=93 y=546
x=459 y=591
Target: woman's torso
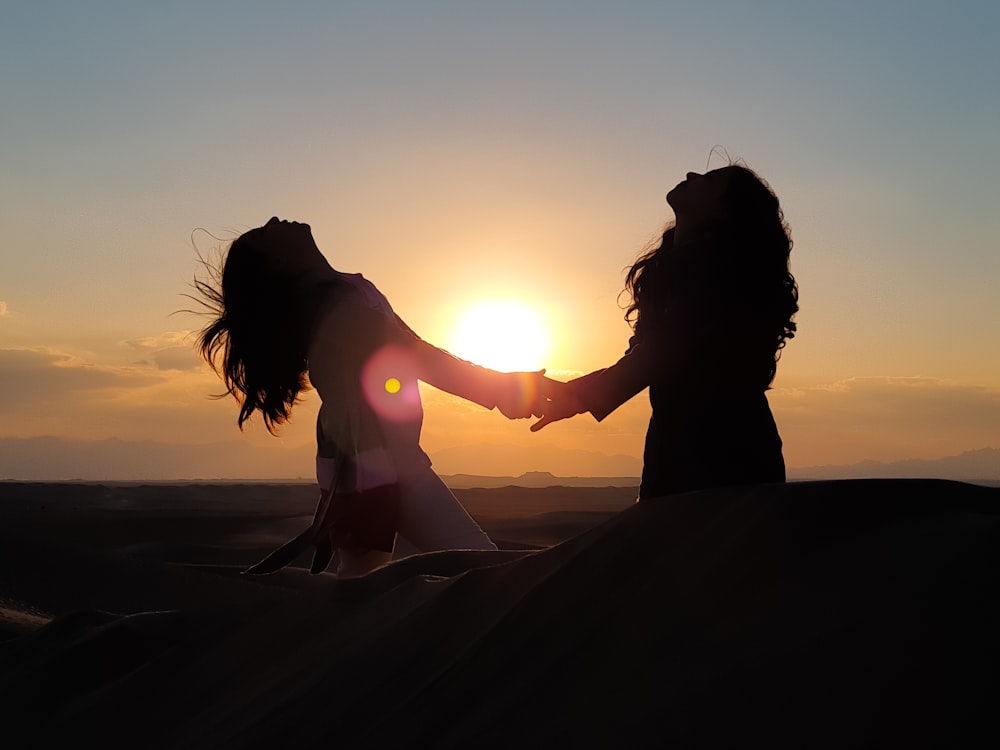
x=359 y=365
x=711 y=424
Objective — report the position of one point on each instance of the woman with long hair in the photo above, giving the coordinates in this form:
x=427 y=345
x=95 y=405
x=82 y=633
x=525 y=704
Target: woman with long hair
x=283 y=319
x=712 y=307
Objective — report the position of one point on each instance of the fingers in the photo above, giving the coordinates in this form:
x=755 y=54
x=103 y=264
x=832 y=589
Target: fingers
x=534 y=393
x=551 y=389
x=544 y=421
x=517 y=413
x=531 y=394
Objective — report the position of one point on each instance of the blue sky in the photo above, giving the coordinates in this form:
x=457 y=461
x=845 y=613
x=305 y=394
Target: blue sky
x=457 y=151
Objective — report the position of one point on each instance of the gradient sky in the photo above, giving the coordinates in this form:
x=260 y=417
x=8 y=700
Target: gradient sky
x=456 y=152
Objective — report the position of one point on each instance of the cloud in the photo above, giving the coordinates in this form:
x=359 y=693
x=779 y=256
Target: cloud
x=3 y=309
x=30 y=376
x=164 y=340
x=51 y=392
x=885 y=419
x=172 y=350
x=48 y=392
x=176 y=358
x=910 y=401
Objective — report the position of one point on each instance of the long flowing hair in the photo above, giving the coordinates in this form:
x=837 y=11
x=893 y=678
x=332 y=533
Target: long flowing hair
x=747 y=257
x=257 y=338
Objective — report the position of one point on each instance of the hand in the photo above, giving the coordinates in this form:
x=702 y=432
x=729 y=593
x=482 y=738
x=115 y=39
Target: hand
x=562 y=403
x=523 y=394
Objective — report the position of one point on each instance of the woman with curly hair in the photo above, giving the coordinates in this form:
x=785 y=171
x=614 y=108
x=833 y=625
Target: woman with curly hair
x=712 y=307
x=284 y=319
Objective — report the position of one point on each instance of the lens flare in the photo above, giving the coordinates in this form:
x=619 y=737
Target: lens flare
x=389 y=382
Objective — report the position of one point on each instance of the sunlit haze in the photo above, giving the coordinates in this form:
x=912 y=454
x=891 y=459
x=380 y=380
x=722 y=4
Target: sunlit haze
x=503 y=334
x=464 y=155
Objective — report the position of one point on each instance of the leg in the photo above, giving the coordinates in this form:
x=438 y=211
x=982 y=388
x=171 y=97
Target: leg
x=431 y=517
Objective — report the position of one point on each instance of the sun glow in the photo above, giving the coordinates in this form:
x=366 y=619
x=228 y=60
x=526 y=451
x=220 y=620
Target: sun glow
x=501 y=334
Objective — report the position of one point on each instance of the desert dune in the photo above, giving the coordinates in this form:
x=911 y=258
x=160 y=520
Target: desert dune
x=857 y=613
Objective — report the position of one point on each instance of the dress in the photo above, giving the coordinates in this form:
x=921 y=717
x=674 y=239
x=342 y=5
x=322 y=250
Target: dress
x=707 y=360
x=374 y=478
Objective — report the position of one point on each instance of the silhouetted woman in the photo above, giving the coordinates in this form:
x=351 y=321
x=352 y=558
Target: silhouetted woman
x=283 y=318
x=711 y=310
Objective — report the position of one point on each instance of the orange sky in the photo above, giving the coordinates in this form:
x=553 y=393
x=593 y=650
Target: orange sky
x=519 y=152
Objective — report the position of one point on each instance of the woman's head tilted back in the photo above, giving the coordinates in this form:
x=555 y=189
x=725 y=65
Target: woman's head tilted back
x=730 y=234
x=734 y=213
x=258 y=338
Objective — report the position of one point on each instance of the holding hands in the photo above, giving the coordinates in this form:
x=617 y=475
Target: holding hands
x=522 y=394
x=531 y=394
x=561 y=402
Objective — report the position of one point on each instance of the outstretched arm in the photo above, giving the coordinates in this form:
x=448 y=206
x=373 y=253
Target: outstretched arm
x=603 y=391
x=600 y=392
x=517 y=395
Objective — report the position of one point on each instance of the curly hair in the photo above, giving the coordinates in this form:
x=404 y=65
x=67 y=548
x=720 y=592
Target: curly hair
x=258 y=336
x=747 y=256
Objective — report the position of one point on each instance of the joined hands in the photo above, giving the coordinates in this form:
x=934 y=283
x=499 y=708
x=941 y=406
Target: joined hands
x=522 y=394
x=531 y=394
x=561 y=402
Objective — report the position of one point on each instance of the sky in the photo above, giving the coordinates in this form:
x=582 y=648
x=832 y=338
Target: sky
x=463 y=152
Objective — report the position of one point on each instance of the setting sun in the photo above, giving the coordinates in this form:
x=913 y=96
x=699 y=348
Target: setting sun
x=501 y=334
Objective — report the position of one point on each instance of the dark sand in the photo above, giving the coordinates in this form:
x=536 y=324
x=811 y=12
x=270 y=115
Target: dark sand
x=859 y=613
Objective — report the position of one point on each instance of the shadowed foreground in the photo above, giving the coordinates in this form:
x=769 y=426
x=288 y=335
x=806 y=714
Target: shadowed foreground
x=855 y=613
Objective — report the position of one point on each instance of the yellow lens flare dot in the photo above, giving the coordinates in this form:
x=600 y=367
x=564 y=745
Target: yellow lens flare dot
x=392 y=385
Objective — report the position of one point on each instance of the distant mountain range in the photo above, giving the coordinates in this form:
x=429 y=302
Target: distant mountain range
x=487 y=460
x=981 y=465
x=535 y=479
x=51 y=458
x=970 y=466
